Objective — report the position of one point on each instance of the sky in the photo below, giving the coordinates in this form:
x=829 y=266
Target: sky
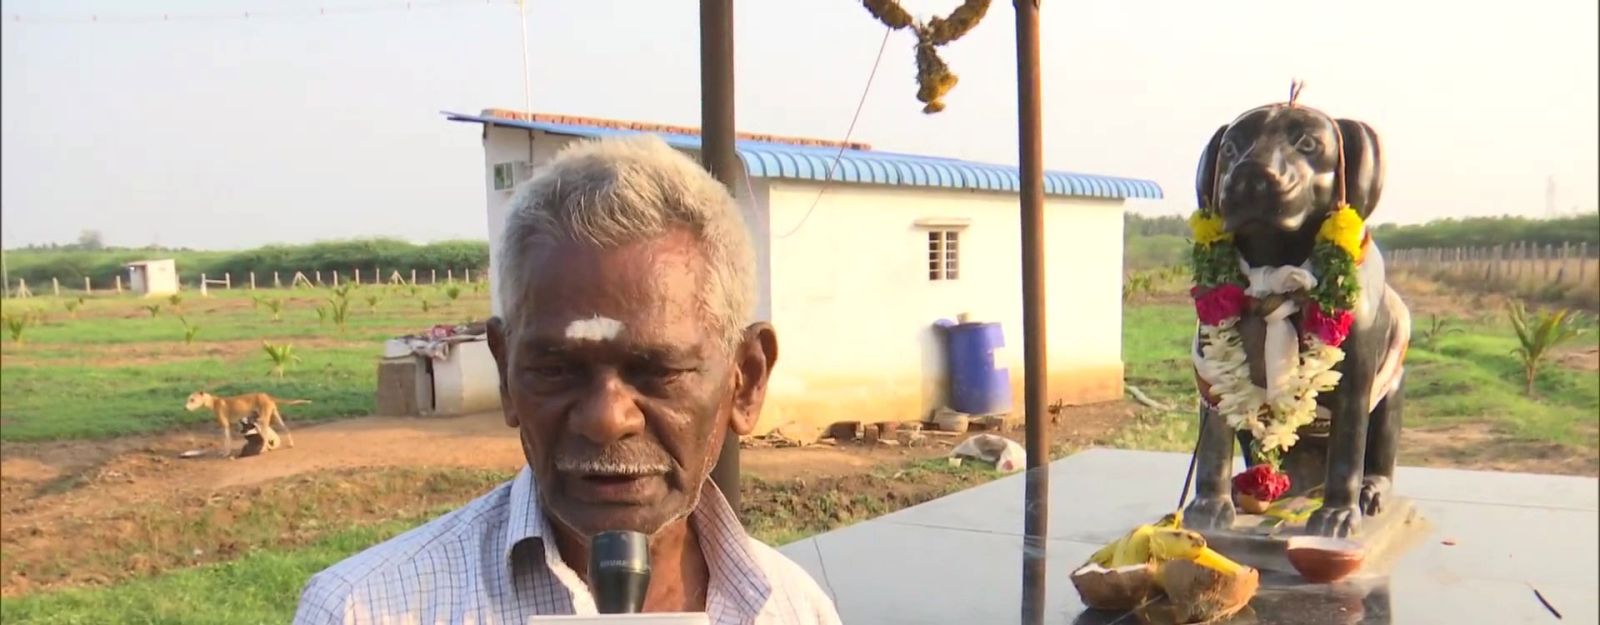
x=231 y=133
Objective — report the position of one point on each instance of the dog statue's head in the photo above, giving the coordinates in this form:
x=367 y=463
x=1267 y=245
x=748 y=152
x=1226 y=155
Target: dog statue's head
x=1284 y=167
x=197 y=400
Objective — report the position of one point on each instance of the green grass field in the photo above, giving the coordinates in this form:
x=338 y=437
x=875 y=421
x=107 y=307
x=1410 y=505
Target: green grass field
x=1461 y=377
x=115 y=369
x=260 y=587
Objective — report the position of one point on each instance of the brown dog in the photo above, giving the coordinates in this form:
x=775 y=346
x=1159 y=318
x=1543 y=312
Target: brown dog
x=230 y=410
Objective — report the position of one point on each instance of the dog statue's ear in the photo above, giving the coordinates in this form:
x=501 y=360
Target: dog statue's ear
x=1205 y=177
x=1363 y=166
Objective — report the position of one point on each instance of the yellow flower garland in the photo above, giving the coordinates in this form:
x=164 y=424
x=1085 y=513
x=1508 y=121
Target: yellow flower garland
x=1345 y=229
x=1207 y=228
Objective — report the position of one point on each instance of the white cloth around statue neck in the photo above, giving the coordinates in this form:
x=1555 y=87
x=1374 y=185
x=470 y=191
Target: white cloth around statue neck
x=1281 y=349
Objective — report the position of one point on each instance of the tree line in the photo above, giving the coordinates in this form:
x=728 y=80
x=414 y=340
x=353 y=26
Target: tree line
x=71 y=264
x=1163 y=240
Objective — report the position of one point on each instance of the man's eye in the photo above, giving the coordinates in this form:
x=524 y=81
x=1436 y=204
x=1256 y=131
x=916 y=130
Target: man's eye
x=1307 y=144
x=550 y=372
x=660 y=374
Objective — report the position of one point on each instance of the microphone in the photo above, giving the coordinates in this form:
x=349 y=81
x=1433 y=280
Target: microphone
x=619 y=571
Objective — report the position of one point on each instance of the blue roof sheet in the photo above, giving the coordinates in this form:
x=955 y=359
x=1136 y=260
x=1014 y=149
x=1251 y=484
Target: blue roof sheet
x=801 y=162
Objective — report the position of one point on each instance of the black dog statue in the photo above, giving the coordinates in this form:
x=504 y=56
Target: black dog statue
x=1271 y=179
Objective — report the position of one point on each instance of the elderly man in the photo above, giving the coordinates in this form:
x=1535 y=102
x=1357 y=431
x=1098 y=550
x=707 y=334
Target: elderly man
x=626 y=352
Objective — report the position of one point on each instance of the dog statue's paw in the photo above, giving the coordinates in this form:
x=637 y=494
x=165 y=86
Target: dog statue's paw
x=1335 y=522
x=1205 y=513
x=1374 y=490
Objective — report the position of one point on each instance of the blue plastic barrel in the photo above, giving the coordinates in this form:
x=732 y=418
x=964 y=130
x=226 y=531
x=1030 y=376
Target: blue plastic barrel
x=977 y=385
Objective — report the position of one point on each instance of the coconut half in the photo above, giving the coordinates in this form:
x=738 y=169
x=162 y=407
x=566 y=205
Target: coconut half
x=1198 y=594
x=1119 y=589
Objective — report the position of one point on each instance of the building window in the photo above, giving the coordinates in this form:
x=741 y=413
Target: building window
x=944 y=261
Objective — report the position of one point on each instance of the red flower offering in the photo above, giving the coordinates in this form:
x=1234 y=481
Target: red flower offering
x=1219 y=303
x=1262 y=482
x=1332 y=328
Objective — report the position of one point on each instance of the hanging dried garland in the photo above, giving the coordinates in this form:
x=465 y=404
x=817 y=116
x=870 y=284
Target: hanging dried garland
x=934 y=78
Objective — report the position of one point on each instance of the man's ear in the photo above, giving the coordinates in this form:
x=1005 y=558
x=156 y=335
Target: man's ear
x=754 y=358
x=502 y=362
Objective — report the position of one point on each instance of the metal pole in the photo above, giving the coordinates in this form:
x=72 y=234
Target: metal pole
x=716 y=153
x=1030 y=151
x=527 y=80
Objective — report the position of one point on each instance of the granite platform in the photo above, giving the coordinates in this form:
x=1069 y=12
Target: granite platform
x=1493 y=539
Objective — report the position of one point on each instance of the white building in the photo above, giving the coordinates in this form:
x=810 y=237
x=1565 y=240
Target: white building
x=850 y=278
x=152 y=278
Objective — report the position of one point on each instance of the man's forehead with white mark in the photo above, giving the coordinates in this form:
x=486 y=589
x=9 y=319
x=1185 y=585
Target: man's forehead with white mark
x=594 y=328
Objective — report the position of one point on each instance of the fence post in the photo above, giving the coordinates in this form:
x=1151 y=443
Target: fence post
x=433 y=276
x=55 y=285
x=275 y=283
x=336 y=279
x=450 y=276
x=86 y=287
x=377 y=276
x=1583 y=260
x=203 y=285
x=252 y=280
x=319 y=277
x=466 y=275
x=413 y=277
x=1549 y=257
x=357 y=272
x=119 y=284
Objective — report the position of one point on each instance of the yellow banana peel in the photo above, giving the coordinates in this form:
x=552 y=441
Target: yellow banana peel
x=1176 y=544
x=1135 y=549
x=1294 y=511
x=1210 y=559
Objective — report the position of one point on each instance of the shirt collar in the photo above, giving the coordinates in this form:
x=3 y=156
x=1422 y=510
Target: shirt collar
x=736 y=574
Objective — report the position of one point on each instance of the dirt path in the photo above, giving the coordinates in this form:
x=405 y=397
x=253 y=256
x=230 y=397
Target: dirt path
x=150 y=510
x=84 y=476
x=39 y=481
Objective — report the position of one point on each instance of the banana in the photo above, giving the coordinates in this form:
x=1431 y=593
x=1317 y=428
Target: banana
x=1135 y=549
x=1210 y=559
x=1169 y=544
x=1103 y=557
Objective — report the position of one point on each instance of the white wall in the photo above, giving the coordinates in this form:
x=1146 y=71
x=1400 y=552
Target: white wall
x=854 y=307
x=467 y=382
x=500 y=145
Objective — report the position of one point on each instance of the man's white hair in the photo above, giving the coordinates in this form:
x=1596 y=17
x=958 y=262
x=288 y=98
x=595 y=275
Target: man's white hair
x=619 y=190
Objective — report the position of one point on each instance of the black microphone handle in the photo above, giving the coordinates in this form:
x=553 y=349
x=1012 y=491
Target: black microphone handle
x=619 y=571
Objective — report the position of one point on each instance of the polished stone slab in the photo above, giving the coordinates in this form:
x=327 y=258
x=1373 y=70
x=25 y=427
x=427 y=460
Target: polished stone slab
x=958 y=559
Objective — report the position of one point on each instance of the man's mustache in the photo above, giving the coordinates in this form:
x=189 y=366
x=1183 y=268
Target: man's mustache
x=634 y=456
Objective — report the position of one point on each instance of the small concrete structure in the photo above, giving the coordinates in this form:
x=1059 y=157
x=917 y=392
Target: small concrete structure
x=466 y=382
x=459 y=379
x=152 y=278
x=958 y=559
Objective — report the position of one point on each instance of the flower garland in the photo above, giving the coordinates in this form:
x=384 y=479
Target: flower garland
x=1220 y=298
x=934 y=78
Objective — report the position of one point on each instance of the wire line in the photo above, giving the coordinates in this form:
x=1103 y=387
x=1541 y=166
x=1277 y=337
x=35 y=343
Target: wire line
x=845 y=144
